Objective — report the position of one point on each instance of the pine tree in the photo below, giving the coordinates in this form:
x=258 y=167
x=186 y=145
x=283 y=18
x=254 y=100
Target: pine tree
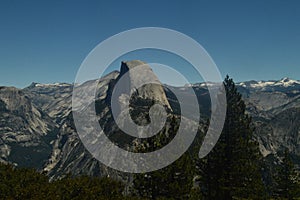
x=232 y=168
x=173 y=181
x=23 y=183
x=287 y=179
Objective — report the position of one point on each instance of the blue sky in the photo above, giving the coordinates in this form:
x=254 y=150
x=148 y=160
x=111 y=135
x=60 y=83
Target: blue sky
x=46 y=41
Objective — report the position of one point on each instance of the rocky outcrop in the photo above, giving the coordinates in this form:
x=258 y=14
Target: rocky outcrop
x=69 y=156
x=54 y=99
x=137 y=73
x=25 y=130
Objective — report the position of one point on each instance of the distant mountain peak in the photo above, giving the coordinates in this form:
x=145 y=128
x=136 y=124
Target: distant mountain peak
x=288 y=82
x=57 y=84
x=284 y=82
x=285 y=79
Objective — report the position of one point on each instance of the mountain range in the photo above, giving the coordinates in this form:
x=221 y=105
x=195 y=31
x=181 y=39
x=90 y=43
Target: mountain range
x=37 y=128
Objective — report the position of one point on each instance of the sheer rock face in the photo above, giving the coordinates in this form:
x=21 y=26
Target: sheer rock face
x=135 y=73
x=25 y=130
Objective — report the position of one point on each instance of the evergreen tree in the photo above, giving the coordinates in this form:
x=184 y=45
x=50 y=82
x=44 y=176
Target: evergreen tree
x=232 y=168
x=16 y=183
x=287 y=179
x=173 y=181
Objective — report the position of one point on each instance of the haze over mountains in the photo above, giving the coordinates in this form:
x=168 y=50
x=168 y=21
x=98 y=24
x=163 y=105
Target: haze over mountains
x=37 y=128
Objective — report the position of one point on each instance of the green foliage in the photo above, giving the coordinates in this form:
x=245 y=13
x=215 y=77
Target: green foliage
x=232 y=168
x=171 y=182
x=29 y=184
x=174 y=181
x=287 y=179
